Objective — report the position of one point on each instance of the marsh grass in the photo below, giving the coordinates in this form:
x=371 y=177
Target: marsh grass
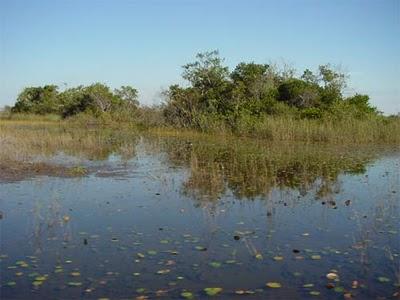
x=346 y=131
x=26 y=141
x=252 y=168
x=26 y=146
x=273 y=128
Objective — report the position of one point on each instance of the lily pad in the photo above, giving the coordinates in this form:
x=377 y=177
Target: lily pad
x=40 y=278
x=382 y=279
x=200 y=248
x=11 y=283
x=164 y=271
x=339 y=289
x=187 y=295
x=331 y=276
x=215 y=264
x=74 y=284
x=278 y=258
x=37 y=283
x=273 y=285
x=212 y=291
x=315 y=293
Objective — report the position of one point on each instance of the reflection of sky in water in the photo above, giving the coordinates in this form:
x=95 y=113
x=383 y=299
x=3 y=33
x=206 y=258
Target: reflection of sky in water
x=121 y=216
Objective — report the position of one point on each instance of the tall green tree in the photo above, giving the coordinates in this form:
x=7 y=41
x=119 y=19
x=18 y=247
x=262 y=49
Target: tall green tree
x=38 y=100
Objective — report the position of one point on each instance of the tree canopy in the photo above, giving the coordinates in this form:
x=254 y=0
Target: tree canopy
x=254 y=89
x=96 y=98
x=214 y=92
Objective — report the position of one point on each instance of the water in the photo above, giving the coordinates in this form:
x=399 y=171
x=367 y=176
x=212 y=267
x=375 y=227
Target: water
x=185 y=214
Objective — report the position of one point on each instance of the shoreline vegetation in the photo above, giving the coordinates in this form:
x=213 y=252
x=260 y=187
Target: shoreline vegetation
x=64 y=149
x=253 y=100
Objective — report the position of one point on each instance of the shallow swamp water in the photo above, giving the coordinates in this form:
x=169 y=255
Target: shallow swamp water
x=186 y=217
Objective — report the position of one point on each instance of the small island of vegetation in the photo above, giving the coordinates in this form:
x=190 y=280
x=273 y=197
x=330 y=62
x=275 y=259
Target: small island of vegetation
x=258 y=100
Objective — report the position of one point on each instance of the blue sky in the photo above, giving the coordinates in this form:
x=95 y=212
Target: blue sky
x=145 y=43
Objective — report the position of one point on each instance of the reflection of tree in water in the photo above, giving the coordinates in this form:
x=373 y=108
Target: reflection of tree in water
x=48 y=223
x=251 y=169
x=99 y=144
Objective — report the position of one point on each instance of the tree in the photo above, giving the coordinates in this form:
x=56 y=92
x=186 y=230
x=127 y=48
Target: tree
x=309 y=77
x=299 y=93
x=101 y=98
x=182 y=106
x=253 y=77
x=361 y=103
x=254 y=88
x=210 y=79
x=333 y=84
x=38 y=100
x=207 y=72
x=128 y=94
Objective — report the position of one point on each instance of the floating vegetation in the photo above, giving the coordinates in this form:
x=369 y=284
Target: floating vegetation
x=187 y=295
x=259 y=256
x=315 y=293
x=215 y=264
x=339 y=289
x=273 y=285
x=213 y=291
x=163 y=272
x=74 y=284
x=383 y=279
x=331 y=276
x=11 y=283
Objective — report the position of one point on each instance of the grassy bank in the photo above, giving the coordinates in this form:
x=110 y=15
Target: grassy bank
x=27 y=142
x=372 y=130
x=346 y=131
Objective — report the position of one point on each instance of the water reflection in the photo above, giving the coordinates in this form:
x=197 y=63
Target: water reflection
x=250 y=169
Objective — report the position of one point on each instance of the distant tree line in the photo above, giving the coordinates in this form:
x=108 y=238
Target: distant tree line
x=95 y=99
x=250 y=91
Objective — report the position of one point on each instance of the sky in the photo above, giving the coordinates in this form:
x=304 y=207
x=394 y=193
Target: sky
x=145 y=43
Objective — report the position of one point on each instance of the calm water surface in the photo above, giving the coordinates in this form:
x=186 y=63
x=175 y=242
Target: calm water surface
x=173 y=215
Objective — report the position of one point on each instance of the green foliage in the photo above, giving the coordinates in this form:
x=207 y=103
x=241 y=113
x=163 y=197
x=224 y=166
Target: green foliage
x=361 y=103
x=311 y=113
x=299 y=93
x=128 y=94
x=96 y=99
x=214 y=98
x=253 y=91
x=38 y=100
x=209 y=79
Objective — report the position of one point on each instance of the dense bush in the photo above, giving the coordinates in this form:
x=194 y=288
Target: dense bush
x=252 y=91
x=95 y=99
x=215 y=98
